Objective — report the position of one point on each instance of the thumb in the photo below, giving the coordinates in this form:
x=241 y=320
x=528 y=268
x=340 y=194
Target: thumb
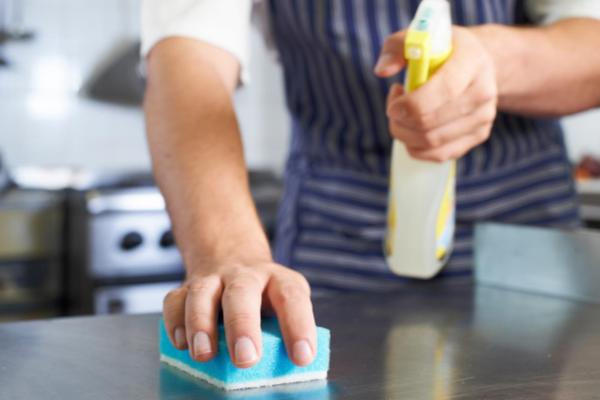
x=391 y=60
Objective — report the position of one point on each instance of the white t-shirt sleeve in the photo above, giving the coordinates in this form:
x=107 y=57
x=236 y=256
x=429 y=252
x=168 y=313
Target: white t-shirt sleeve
x=222 y=23
x=549 y=11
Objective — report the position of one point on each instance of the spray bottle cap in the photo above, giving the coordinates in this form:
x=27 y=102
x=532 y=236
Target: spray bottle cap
x=434 y=17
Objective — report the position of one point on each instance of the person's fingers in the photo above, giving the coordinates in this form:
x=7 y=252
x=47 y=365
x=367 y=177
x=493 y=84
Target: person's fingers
x=201 y=312
x=391 y=60
x=448 y=83
x=173 y=314
x=396 y=90
x=424 y=140
x=241 y=303
x=290 y=298
x=455 y=149
x=481 y=91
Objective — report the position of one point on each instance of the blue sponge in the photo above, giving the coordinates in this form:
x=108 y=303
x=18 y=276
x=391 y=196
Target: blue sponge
x=274 y=368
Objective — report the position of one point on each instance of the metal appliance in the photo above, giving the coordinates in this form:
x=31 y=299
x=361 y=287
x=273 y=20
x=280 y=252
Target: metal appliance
x=556 y=262
x=31 y=250
x=31 y=273
x=119 y=243
x=12 y=16
x=122 y=253
x=589 y=198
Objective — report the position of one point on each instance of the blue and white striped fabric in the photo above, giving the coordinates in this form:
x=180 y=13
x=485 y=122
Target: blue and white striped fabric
x=332 y=219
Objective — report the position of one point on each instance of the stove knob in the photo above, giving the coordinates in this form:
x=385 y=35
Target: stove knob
x=167 y=240
x=131 y=240
x=116 y=306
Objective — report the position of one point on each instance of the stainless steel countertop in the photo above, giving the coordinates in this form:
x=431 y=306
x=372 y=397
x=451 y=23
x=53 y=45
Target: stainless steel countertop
x=430 y=342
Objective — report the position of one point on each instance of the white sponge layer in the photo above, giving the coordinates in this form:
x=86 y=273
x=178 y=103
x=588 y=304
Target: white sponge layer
x=295 y=378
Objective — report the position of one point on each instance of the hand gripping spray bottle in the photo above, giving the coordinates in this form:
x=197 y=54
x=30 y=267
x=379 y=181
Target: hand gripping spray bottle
x=421 y=208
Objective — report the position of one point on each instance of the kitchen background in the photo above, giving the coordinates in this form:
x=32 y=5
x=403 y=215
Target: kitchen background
x=82 y=228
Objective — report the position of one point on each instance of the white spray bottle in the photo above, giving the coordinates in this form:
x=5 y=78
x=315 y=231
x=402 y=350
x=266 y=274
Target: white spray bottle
x=421 y=208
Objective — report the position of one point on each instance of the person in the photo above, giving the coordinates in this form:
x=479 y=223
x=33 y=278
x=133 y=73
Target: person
x=516 y=67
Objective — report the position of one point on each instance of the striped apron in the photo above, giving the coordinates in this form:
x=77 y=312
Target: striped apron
x=332 y=219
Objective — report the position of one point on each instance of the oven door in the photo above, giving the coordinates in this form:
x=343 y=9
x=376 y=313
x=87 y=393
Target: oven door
x=132 y=299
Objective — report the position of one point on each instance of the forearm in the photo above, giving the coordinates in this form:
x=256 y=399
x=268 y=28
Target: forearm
x=197 y=154
x=548 y=71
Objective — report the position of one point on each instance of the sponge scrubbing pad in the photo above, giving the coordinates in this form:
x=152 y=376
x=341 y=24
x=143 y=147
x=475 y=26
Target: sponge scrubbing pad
x=274 y=367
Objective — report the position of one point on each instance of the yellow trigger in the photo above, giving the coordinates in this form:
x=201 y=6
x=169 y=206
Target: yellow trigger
x=417 y=51
x=421 y=63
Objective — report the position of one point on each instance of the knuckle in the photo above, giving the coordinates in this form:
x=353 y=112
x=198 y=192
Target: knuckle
x=236 y=271
x=238 y=288
x=242 y=274
x=490 y=115
x=412 y=107
x=173 y=295
x=394 y=113
x=303 y=283
x=449 y=89
x=389 y=111
x=423 y=122
x=465 y=109
x=395 y=131
x=419 y=118
x=414 y=153
x=458 y=154
x=483 y=135
x=233 y=291
x=431 y=139
x=290 y=293
x=239 y=319
x=441 y=156
x=445 y=157
x=406 y=137
x=199 y=319
x=205 y=284
x=488 y=93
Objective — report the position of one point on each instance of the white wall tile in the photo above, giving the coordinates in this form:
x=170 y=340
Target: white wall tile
x=44 y=120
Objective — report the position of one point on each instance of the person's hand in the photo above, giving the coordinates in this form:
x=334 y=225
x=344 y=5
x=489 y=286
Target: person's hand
x=241 y=291
x=454 y=111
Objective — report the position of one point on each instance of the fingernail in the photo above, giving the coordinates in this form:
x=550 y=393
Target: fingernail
x=180 y=337
x=302 y=352
x=384 y=61
x=201 y=344
x=245 y=352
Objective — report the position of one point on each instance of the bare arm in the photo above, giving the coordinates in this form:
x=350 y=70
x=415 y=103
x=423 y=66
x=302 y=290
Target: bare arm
x=199 y=165
x=551 y=71
x=197 y=152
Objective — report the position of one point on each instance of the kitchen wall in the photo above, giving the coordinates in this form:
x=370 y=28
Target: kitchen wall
x=45 y=119
x=583 y=134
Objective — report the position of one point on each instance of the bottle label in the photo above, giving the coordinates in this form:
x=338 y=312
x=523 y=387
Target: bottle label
x=444 y=232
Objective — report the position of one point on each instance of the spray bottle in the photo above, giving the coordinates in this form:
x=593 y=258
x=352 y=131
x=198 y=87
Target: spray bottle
x=421 y=208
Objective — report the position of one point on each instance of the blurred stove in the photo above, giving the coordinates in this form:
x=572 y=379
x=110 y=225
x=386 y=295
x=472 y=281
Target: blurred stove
x=122 y=253
x=589 y=201
x=120 y=242
x=31 y=251
x=31 y=243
